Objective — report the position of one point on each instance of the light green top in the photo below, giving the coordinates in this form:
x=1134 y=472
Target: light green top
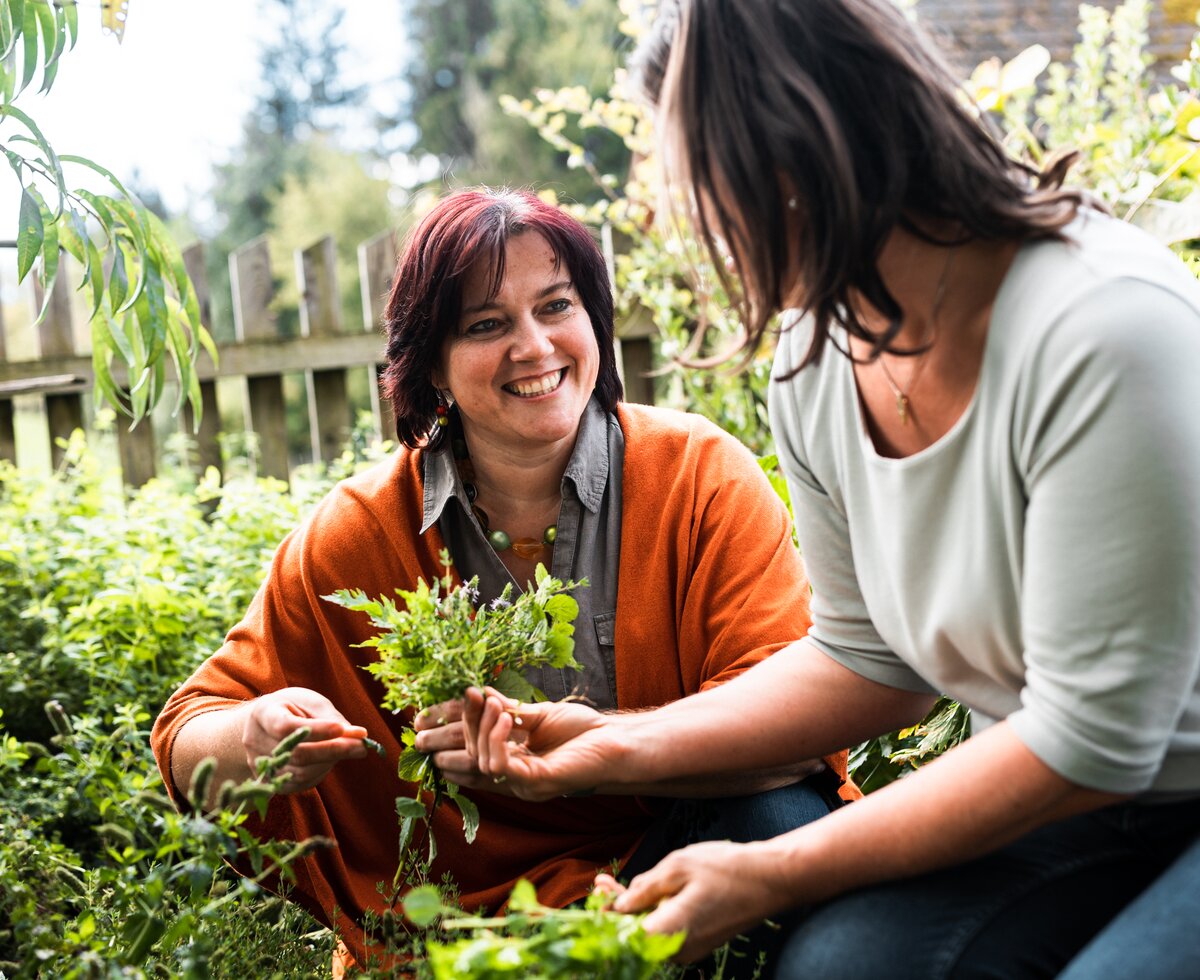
x=1041 y=561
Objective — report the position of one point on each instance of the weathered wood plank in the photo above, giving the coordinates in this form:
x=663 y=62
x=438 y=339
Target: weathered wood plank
x=137 y=451
x=250 y=280
x=8 y=435
x=207 y=437
x=376 y=267
x=284 y=355
x=56 y=338
x=266 y=417
x=253 y=290
x=329 y=415
x=637 y=355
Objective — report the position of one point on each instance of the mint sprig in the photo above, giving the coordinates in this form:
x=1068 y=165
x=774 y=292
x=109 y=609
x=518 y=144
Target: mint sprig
x=434 y=644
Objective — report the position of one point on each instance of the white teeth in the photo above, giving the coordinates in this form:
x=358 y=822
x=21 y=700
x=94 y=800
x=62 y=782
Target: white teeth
x=541 y=386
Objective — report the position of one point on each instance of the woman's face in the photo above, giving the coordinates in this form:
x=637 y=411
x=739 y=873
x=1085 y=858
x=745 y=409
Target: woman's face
x=521 y=365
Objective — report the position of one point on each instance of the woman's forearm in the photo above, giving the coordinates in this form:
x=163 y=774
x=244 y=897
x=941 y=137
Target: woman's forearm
x=981 y=795
x=797 y=704
x=215 y=733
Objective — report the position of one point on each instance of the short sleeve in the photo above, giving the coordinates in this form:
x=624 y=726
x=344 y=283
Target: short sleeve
x=1108 y=440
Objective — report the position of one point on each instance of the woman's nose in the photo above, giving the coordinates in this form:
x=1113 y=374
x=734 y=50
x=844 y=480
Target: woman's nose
x=531 y=340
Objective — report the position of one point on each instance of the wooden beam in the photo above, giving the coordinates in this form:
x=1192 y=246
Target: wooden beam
x=137 y=451
x=376 y=267
x=207 y=437
x=250 y=278
x=284 y=355
x=329 y=416
x=56 y=338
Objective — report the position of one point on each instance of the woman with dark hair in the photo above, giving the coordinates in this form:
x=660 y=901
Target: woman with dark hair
x=516 y=450
x=986 y=410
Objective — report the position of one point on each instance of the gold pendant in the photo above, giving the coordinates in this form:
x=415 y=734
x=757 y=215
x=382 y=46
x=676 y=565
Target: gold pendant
x=902 y=407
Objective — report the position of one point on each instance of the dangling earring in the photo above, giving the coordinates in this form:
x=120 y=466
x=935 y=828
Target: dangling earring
x=442 y=409
x=793 y=203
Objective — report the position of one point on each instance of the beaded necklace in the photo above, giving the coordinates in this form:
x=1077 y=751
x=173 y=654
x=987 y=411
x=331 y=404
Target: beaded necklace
x=527 y=548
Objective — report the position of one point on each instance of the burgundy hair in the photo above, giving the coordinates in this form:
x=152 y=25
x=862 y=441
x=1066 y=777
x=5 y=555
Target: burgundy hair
x=465 y=229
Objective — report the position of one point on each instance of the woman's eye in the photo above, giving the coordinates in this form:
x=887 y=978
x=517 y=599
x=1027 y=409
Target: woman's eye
x=558 y=306
x=480 y=327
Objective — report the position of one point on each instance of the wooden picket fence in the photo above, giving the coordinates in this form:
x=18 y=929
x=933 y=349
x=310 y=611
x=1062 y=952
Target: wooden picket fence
x=326 y=350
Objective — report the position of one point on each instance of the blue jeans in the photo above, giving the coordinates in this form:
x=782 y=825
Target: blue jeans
x=739 y=819
x=1023 y=911
x=1157 y=937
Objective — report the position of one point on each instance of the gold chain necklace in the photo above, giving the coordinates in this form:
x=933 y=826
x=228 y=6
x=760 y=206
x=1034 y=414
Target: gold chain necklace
x=903 y=401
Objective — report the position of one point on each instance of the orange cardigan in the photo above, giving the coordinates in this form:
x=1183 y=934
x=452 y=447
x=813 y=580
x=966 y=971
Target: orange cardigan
x=709 y=584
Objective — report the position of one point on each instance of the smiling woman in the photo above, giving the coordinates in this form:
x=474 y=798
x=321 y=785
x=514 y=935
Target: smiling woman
x=517 y=450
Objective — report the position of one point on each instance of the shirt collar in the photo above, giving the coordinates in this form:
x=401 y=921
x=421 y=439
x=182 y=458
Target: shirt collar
x=586 y=474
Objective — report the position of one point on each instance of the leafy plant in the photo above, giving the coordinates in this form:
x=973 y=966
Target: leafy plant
x=439 y=644
x=537 y=942
x=100 y=875
x=143 y=308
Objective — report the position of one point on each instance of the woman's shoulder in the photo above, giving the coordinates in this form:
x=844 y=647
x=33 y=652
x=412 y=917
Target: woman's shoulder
x=649 y=429
x=379 y=494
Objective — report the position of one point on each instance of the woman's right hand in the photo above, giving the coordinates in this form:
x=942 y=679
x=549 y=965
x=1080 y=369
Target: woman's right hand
x=561 y=748
x=273 y=717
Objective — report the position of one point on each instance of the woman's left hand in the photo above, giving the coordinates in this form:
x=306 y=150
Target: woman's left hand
x=442 y=734
x=714 y=891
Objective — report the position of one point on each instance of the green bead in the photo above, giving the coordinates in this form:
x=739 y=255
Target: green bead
x=499 y=540
x=550 y=534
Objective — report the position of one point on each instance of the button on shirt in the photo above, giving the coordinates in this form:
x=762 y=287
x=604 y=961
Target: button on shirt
x=588 y=545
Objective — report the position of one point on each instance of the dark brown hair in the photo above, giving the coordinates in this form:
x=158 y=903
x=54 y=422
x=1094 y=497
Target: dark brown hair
x=464 y=230
x=843 y=113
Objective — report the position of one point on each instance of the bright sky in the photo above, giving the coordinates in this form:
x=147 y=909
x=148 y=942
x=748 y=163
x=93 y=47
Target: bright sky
x=169 y=100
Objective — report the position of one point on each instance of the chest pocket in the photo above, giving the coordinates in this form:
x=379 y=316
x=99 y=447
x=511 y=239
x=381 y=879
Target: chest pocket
x=606 y=631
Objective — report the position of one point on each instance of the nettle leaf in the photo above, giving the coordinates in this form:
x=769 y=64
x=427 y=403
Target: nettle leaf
x=512 y=684
x=412 y=766
x=30 y=234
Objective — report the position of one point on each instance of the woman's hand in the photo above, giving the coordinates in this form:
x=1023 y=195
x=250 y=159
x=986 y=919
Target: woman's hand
x=442 y=733
x=538 y=751
x=714 y=891
x=273 y=717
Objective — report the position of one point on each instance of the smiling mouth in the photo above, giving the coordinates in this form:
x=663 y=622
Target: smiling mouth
x=531 y=388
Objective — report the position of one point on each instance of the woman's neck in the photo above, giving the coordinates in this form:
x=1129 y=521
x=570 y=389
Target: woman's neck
x=518 y=482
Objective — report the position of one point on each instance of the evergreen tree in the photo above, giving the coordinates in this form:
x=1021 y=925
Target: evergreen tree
x=300 y=97
x=470 y=52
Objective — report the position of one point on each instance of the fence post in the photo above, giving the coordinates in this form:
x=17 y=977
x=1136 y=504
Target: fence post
x=250 y=278
x=329 y=416
x=376 y=266
x=208 y=446
x=632 y=344
x=64 y=412
x=8 y=436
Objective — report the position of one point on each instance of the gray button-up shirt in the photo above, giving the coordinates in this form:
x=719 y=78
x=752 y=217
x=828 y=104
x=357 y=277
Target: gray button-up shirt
x=588 y=546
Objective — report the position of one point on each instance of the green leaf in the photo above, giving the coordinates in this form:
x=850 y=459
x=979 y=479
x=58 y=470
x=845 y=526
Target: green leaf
x=71 y=15
x=52 y=162
x=562 y=607
x=470 y=814
x=423 y=905
x=29 y=30
x=30 y=234
x=523 y=897
x=17 y=11
x=118 y=281
x=512 y=684
x=412 y=765
x=407 y=806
